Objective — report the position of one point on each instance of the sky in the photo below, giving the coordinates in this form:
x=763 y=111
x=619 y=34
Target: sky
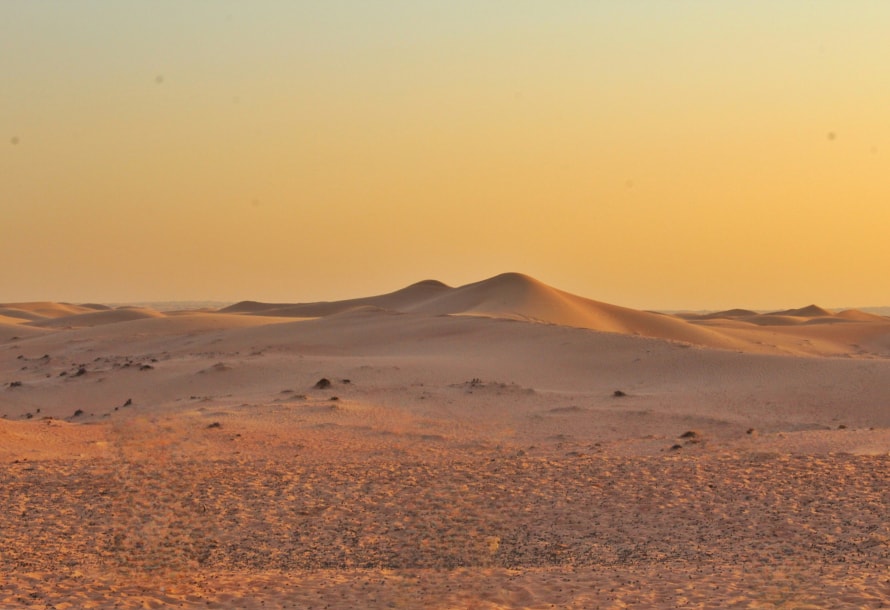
x=651 y=154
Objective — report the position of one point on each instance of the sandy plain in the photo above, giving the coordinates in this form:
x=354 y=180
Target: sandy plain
x=497 y=445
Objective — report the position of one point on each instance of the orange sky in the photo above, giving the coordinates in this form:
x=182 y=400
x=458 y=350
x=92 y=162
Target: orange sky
x=649 y=154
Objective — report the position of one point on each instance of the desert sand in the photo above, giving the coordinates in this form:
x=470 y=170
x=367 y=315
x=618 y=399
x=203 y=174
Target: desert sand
x=503 y=444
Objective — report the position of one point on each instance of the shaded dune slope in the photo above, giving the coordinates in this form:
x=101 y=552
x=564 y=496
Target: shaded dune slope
x=400 y=300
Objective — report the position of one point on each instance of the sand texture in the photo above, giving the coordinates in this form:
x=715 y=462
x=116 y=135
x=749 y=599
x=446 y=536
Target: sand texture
x=497 y=445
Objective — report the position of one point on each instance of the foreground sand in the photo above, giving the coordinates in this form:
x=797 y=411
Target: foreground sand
x=453 y=462
x=441 y=528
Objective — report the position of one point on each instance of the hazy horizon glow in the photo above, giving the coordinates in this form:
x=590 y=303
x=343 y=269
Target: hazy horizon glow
x=655 y=155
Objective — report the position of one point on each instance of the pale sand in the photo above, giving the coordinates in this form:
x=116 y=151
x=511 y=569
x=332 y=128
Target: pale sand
x=472 y=460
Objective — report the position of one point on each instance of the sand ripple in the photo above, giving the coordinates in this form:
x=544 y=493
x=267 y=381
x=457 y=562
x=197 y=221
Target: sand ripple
x=487 y=530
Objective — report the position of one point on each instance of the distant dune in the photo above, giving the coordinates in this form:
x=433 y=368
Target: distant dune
x=810 y=311
x=860 y=316
x=41 y=309
x=729 y=313
x=878 y=311
x=98 y=318
x=400 y=300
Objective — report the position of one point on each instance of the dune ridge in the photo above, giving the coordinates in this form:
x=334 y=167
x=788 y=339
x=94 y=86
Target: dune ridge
x=809 y=330
x=516 y=296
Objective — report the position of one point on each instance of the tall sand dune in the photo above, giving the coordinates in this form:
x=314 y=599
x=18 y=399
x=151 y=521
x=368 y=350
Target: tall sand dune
x=520 y=297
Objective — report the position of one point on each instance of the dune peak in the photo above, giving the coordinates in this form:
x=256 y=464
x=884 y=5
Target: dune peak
x=810 y=311
x=429 y=284
x=512 y=278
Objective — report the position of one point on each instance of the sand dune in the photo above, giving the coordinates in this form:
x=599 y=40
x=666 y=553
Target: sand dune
x=498 y=445
x=16 y=315
x=12 y=319
x=728 y=313
x=775 y=320
x=42 y=309
x=508 y=296
x=515 y=296
x=809 y=314
x=861 y=316
x=400 y=300
x=98 y=318
x=810 y=311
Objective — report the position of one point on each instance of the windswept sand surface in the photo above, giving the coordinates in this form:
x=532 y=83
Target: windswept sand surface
x=469 y=452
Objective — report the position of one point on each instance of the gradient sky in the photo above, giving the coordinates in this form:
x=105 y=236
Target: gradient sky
x=651 y=154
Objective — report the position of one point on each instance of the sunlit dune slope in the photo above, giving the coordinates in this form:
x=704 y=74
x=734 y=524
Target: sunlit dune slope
x=10 y=330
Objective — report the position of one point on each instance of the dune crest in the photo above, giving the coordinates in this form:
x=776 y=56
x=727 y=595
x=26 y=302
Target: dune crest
x=809 y=331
